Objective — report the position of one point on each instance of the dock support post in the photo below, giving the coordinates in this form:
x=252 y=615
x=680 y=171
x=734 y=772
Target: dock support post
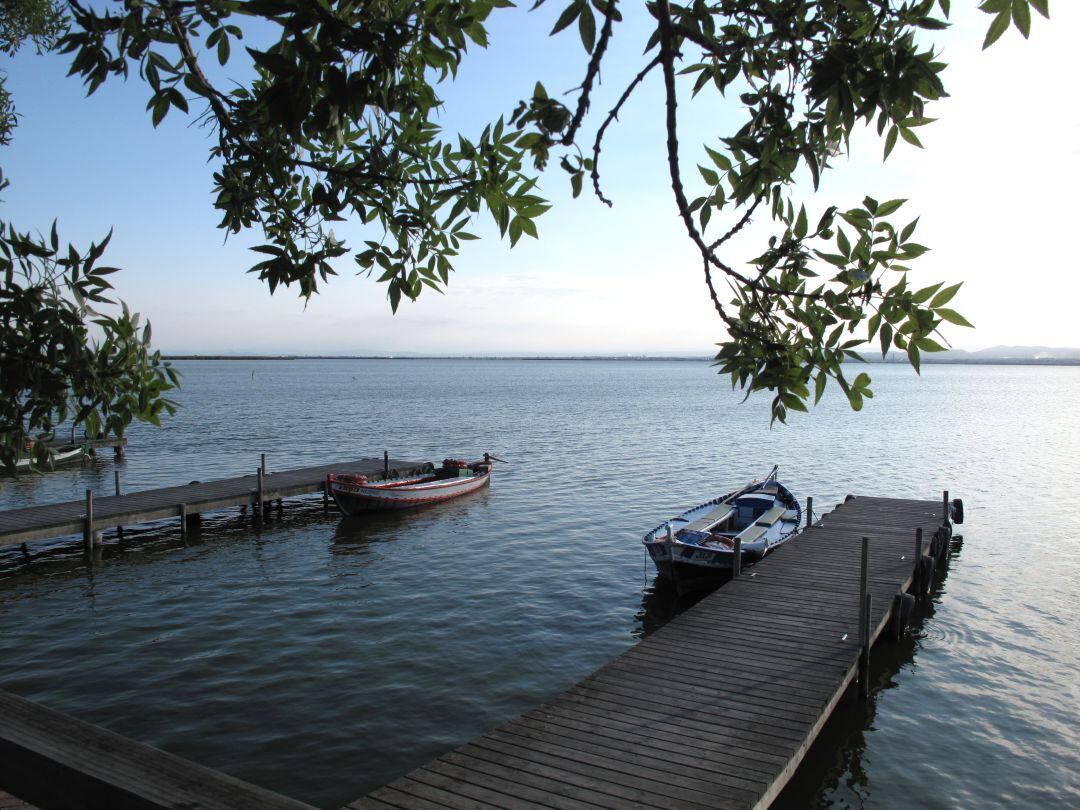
x=916 y=580
x=183 y=521
x=864 y=621
x=262 y=463
x=386 y=463
x=864 y=642
x=88 y=525
x=736 y=559
x=864 y=564
x=945 y=507
x=258 y=509
x=809 y=511
x=116 y=481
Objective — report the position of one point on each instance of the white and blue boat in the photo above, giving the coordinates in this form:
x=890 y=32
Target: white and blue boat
x=696 y=548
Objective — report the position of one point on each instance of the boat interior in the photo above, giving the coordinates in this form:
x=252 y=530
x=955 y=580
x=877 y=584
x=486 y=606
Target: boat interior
x=748 y=517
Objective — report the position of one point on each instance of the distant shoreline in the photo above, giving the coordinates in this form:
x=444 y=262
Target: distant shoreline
x=926 y=360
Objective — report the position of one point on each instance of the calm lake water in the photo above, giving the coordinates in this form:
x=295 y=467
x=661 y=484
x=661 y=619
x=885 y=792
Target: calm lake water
x=325 y=656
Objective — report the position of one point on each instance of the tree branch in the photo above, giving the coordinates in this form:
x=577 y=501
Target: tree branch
x=612 y=116
x=590 y=72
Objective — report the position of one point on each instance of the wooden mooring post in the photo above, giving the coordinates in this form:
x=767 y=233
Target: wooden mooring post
x=864 y=644
x=116 y=481
x=736 y=559
x=864 y=621
x=88 y=526
x=259 y=495
x=945 y=507
x=916 y=579
x=386 y=463
x=183 y=521
x=809 y=511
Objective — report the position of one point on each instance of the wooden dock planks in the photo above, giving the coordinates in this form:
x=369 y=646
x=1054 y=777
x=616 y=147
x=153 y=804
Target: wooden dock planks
x=714 y=710
x=56 y=761
x=59 y=519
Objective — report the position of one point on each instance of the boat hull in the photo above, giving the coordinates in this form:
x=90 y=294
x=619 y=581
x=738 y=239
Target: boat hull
x=410 y=493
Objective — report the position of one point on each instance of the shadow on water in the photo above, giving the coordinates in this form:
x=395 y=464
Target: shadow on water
x=353 y=531
x=149 y=542
x=832 y=773
x=660 y=603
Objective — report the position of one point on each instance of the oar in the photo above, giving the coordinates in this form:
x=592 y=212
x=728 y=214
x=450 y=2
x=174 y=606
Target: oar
x=489 y=456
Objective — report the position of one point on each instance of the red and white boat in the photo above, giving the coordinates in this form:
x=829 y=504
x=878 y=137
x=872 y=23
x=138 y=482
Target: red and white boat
x=355 y=493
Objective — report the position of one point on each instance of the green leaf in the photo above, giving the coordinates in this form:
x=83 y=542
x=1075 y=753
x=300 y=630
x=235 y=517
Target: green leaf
x=909 y=229
x=843 y=243
x=923 y=295
x=1021 y=15
x=801 y=225
x=910 y=137
x=945 y=296
x=997 y=28
x=929 y=345
x=575 y=183
x=819 y=385
x=587 y=29
x=890 y=140
x=886 y=338
x=913 y=357
x=719 y=159
x=952 y=316
x=889 y=207
x=569 y=14
x=1043 y=7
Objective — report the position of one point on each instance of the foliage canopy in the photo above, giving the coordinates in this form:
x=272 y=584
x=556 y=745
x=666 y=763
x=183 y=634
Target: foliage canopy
x=69 y=357
x=338 y=122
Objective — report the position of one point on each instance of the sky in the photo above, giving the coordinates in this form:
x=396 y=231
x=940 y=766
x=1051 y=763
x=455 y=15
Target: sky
x=995 y=189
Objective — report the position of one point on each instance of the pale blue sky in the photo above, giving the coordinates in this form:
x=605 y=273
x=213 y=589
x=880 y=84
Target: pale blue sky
x=993 y=187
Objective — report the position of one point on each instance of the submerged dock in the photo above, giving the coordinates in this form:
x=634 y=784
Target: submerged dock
x=717 y=708
x=714 y=710
x=90 y=516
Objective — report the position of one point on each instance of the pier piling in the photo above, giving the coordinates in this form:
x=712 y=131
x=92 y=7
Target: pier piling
x=88 y=528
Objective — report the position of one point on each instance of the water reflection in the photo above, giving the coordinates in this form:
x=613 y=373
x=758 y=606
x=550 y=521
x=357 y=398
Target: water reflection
x=393 y=524
x=834 y=772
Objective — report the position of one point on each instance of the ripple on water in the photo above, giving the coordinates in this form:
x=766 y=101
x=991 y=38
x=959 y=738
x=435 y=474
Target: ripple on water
x=325 y=656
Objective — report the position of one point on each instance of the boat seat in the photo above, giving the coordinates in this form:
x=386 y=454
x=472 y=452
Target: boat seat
x=770 y=517
x=703 y=523
x=754 y=532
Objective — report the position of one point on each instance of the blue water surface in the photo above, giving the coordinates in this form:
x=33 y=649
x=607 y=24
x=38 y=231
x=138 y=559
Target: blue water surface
x=324 y=656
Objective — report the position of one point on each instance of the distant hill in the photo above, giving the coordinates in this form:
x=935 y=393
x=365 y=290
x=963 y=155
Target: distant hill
x=1024 y=355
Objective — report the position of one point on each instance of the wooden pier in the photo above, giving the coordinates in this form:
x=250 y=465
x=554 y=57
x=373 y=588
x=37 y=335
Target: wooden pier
x=88 y=517
x=714 y=710
x=52 y=760
x=717 y=708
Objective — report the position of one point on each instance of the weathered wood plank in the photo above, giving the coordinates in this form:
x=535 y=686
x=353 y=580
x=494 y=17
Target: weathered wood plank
x=57 y=762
